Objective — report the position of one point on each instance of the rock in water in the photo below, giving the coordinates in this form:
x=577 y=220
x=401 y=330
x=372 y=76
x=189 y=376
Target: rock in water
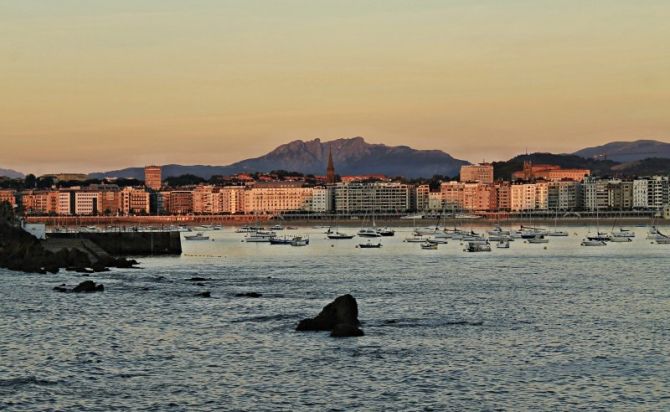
x=88 y=286
x=343 y=330
x=249 y=295
x=340 y=317
x=204 y=294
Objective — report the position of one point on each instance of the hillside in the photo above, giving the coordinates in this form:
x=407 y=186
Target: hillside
x=352 y=156
x=627 y=151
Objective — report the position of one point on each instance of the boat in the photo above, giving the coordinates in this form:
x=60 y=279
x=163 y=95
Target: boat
x=386 y=232
x=370 y=245
x=259 y=237
x=663 y=241
x=619 y=239
x=557 y=233
x=590 y=242
x=248 y=229
x=498 y=231
x=429 y=246
x=277 y=227
x=478 y=247
x=299 y=241
x=537 y=239
x=339 y=236
x=197 y=236
x=285 y=240
x=503 y=244
x=437 y=240
x=426 y=231
x=368 y=232
x=409 y=217
x=602 y=236
x=466 y=216
x=416 y=239
x=627 y=233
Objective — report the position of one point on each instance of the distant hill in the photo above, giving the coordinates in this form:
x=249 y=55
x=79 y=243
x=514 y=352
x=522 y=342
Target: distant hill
x=504 y=170
x=644 y=167
x=627 y=151
x=12 y=174
x=352 y=156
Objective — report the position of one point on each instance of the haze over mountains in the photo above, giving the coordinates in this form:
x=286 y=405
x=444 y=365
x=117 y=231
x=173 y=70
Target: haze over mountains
x=354 y=156
x=627 y=151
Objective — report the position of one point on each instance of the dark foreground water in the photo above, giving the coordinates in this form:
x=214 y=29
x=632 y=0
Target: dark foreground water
x=561 y=328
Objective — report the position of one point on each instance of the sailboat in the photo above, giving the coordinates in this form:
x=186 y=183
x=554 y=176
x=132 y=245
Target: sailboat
x=557 y=232
x=599 y=236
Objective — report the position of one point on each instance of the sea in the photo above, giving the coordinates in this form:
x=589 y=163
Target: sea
x=552 y=327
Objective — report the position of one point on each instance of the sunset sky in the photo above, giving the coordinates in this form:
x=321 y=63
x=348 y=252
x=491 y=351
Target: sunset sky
x=88 y=85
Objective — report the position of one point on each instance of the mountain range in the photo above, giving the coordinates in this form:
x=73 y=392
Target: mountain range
x=12 y=174
x=627 y=151
x=352 y=156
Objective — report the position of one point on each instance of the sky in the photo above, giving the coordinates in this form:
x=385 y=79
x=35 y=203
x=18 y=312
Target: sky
x=92 y=85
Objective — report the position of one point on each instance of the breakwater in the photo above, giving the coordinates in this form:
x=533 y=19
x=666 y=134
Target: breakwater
x=130 y=243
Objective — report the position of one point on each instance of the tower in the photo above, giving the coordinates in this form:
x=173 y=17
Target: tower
x=330 y=170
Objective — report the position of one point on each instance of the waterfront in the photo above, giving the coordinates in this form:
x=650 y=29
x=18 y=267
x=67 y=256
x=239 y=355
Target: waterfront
x=566 y=327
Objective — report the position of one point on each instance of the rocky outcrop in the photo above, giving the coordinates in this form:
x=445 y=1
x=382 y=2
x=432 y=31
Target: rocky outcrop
x=340 y=317
x=22 y=252
x=87 y=286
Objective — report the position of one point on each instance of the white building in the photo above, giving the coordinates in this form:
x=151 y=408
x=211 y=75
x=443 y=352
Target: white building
x=87 y=203
x=369 y=197
x=321 y=200
x=640 y=193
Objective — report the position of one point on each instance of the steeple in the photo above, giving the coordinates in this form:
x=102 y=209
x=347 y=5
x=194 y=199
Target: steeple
x=330 y=170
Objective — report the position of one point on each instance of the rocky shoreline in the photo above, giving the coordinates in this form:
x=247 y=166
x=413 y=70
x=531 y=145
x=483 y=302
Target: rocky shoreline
x=20 y=251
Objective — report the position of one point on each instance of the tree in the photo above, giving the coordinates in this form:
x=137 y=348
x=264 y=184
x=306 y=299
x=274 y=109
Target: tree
x=30 y=181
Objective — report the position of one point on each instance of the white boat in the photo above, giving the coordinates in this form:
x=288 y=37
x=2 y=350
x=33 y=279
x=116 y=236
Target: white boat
x=260 y=237
x=429 y=246
x=466 y=216
x=416 y=239
x=627 y=233
x=618 y=239
x=478 y=247
x=277 y=227
x=503 y=244
x=436 y=240
x=590 y=242
x=498 y=231
x=386 y=231
x=248 y=229
x=557 y=233
x=663 y=241
x=368 y=232
x=537 y=239
x=339 y=236
x=300 y=241
x=197 y=236
x=426 y=231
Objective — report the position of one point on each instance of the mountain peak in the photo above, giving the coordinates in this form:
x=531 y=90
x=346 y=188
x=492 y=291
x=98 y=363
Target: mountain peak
x=623 y=151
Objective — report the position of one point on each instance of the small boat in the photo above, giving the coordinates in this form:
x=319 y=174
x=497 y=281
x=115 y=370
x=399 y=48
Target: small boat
x=498 y=231
x=339 y=236
x=429 y=246
x=260 y=237
x=386 y=232
x=299 y=241
x=248 y=229
x=478 y=247
x=368 y=232
x=277 y=227
x=281 y=240
x=662 y=241
x=557 y=233
x=416 y=239
x=623 y=233
x=370 y=245
x=620 y=239
x=503 y=244
x=197 y=236
x=537 y=239
x=591 y=242
x=604 y=237
x=437 y=240
x=426 y=231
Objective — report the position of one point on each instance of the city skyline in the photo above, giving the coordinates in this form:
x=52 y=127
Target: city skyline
x=93 y=87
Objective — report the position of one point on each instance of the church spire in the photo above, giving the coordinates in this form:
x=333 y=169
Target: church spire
x=330 y=171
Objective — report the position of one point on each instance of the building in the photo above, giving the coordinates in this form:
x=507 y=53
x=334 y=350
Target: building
x=232 y=199
x=87 y=203
x=620 y=194
x=549 y=173
x=321 y=200
x=65 y=203
x=135 y=201
x=421 y=198
x=657 y=190
x=564 y=195
x=331 y=178
x=8 y=196
x=372 y=197
x=277 y=197
x=523 y=197
x=205 y=200
x=469 y=196
x=181 y=202
x=595 y=194
x=153 y=178
x=640 y=194
x=36 y=202
x=503 y=196
x=479 y=173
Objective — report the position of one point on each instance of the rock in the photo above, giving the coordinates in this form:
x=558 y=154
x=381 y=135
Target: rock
x=344 y=330
x=249 y=295
x=340 y=317
x=197 y=279
x=204 y=295
x=88 y=286
x=61 y=289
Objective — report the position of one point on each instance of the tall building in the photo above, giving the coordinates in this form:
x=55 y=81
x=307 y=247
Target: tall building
x=481 y=173
x=330 y=170
x=152 y=177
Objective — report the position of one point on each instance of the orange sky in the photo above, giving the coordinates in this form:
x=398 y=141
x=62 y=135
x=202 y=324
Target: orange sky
x=91 y=86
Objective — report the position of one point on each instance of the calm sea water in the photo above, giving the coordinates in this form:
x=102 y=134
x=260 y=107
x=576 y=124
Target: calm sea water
x=529 y=328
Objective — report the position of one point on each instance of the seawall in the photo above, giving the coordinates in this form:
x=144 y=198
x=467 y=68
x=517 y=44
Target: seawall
x=130 y=243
